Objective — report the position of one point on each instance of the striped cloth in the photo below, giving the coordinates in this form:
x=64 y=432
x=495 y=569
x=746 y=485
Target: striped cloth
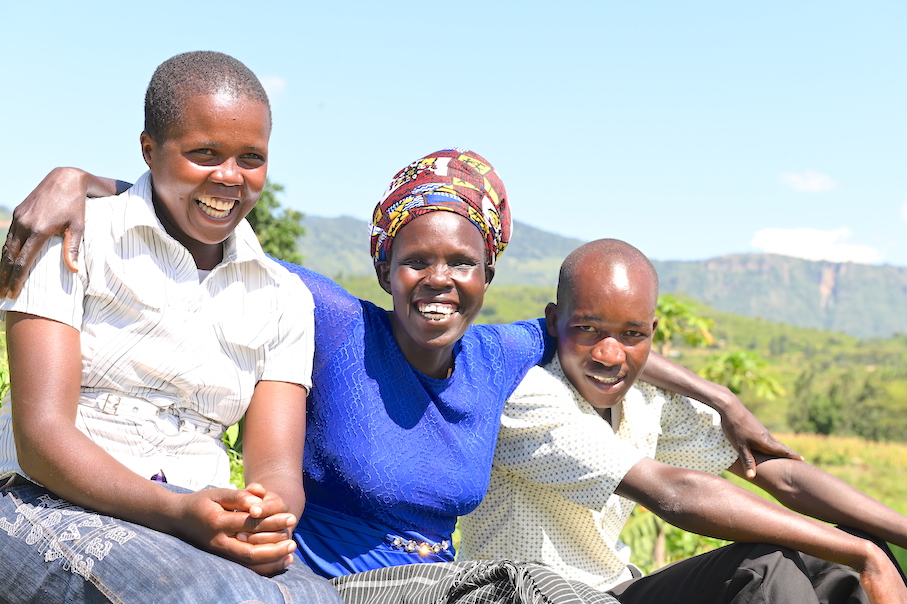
x=474 y=582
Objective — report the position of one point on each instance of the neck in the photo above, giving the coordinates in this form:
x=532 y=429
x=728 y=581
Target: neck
x=206 y=255
x=436 y=363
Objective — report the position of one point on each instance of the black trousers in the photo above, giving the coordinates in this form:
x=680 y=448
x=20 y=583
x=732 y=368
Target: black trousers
x=751 y=573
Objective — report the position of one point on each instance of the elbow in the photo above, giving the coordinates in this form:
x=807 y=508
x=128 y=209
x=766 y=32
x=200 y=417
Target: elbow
x=38 y=446
x=671 y=501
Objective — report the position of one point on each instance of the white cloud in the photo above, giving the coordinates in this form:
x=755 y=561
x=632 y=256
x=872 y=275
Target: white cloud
x=274 y=85
x=809 y=181
x=813 y=244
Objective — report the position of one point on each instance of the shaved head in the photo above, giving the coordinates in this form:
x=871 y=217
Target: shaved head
x=626 y=265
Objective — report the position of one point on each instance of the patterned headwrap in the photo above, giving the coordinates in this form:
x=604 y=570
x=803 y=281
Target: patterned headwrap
x=454 y=180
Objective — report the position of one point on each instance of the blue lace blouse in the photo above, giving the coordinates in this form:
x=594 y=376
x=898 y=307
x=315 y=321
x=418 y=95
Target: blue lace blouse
x=392 y=456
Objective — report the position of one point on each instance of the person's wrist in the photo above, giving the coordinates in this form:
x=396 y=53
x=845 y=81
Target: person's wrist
x=721 y=399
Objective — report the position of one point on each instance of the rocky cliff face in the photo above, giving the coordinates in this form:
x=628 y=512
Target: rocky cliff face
x=861 y=300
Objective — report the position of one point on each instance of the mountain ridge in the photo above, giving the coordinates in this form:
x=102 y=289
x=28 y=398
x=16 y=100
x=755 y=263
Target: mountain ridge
x=857 y=299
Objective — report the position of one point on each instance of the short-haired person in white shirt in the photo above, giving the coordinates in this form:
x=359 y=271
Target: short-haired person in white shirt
x=581 y=443
x=125 y=374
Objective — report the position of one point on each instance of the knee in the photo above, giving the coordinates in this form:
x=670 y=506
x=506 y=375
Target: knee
x=772 y=573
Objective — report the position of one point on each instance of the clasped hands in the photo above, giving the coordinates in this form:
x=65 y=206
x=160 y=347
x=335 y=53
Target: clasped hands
x=249 y=526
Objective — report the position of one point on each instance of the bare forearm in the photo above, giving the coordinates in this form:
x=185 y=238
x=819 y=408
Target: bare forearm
x=809 y=490
x=59 y=463
x=273 y=441
x=286 y=486
x=75 y=179
x=668 y=375
x=735 y=514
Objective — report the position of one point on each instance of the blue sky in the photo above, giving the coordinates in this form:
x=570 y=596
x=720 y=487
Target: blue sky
x=690 y=129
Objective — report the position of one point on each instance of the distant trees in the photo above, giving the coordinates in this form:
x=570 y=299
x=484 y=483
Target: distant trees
x=848 y=401
x=277 y=228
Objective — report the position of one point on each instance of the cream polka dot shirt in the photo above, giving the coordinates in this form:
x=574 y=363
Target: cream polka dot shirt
x=557 y=464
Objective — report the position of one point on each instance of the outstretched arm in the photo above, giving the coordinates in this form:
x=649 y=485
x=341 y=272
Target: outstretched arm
x=55 y=207
x=709 y=505
x=745 y=433
x=811 y=491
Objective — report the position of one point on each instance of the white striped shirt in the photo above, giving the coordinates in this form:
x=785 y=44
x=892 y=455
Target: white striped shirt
x=152 y=333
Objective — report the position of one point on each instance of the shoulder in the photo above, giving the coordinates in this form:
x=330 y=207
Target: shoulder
x=540 y=381
x=642 y=392
x=325 y=291
x=290 y=287
x=525 y=341
x=673 y=405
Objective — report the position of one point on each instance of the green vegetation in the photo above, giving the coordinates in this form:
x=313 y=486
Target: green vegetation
x=4 y=364
x=277 y=228
x=677 y=320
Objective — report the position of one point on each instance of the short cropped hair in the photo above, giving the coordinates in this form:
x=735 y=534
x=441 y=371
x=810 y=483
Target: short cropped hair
x=191 y=74
x=610 y=252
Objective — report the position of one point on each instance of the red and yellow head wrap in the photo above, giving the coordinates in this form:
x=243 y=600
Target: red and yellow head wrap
x=453 y=180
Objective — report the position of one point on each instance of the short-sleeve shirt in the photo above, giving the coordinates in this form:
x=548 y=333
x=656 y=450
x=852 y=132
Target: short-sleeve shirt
x=558 y=463
x=151 y=332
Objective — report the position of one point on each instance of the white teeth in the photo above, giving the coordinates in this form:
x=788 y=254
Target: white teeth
x=436 y=311
x=604 y=380
x=215 y=206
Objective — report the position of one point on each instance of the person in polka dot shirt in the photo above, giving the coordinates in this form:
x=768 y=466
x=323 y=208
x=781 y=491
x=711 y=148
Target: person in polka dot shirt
x=581 y=443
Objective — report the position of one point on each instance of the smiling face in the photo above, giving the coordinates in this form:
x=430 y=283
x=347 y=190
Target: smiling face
x=437 y=276
x=604 y=329
x=209 y=171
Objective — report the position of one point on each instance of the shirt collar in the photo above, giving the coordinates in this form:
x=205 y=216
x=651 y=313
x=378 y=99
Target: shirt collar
x=554 y=367
x=241 y=246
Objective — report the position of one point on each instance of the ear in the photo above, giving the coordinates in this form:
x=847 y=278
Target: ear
x=654 y=324
x=148 y=146
x=383 y=271
x=551 y=319
x=489 y=274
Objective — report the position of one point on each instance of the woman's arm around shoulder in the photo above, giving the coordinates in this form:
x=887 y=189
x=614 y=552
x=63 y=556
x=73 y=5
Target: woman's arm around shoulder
x=55 y=207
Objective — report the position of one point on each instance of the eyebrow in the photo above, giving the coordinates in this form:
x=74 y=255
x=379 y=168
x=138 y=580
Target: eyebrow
x=593 y=318
x=215 y=145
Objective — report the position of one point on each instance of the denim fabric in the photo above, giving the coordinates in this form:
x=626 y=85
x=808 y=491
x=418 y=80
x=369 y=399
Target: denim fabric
x=54 y=551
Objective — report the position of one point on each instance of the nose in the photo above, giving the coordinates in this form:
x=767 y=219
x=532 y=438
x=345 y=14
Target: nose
x=228 y=173
x=609 y=352
x=440 y=276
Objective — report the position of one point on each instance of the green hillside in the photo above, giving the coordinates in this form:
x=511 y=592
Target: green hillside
x=860 y=300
